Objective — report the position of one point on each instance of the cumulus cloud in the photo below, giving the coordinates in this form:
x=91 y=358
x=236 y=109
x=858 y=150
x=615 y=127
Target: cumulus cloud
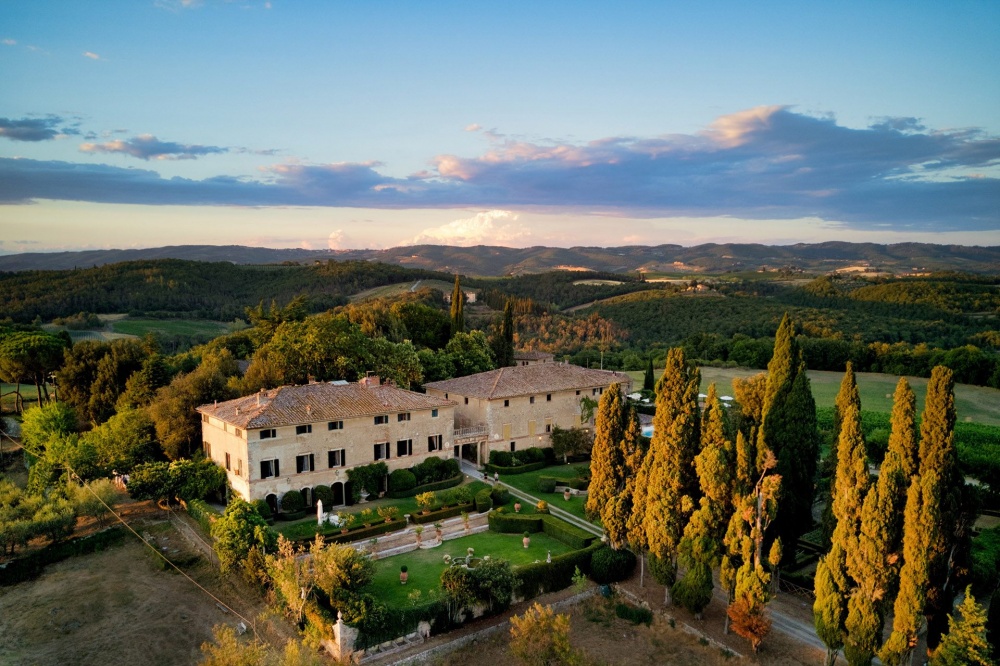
x=43 y=128
x=338 y=240
x=147 y=147
x=491 y=227
x=91 y=55
x=764 y=163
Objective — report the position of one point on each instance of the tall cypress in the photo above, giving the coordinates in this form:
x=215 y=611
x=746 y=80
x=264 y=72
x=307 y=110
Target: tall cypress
x=701 y=545
x=607 y=464
x=649 y=380
x=966 y=642
x=847 y=394
x=667 y=479
x=504 y=347
x=788 y=431
x=457 y=308
x=615 y=513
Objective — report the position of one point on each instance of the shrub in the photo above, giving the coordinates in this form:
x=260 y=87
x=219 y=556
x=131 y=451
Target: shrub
x=499 y=495
x=463 y=495
x=578 y=483
x=446 y=497
x=292 y=502
x=430 y=470
x=262 y=508
x=501 y=458
x=546 y=484
x=542 y=506
x=634 y=615
x=483 y=501
x=323 y=494
x=426 y=500
x=402 y=480
x=531 y=455
x=451 y=468
x=610 y=566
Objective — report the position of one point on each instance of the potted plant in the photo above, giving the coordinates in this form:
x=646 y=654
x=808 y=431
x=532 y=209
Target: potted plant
x=343 y=520
x=437 y=528
x=403 y=575
x=388 y=513
x=543 y=506
x=425 y=501
x=526 y=540
x=418 y=530
x=465 y=520
x=567 y=494
x=366 y=517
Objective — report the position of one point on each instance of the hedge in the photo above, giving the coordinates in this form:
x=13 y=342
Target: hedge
x=440 y=514
x=323 y=494
x=500 y=495
x=31 y=565
x=520 y=469
x=437 y=485
x=546 y=484
x=483 y=501
x=204 y=513
x=610 y=566
x=514 y=523
x=292 y=502
x=355 y=534
x=542 y=577
x=401 y=480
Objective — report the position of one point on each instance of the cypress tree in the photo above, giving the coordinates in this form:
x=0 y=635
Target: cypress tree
x=966 y=643
x=942 y=495
x=607 y=463
x=788 y=431
x=701 y=545
x=614 y=514
x=457 y=309
x=667 y=476
x=909 y=605
x=649 y=380
x=848 y=394
x=505 y=339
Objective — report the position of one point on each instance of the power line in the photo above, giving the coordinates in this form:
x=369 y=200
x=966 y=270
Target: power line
x=217 y=600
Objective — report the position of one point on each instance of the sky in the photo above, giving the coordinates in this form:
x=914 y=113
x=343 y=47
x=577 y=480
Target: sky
x=373 y=124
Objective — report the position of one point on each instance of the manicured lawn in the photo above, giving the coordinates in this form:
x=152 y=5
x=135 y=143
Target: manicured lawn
x=528 y=482
x=972 y=403
x=426 y=565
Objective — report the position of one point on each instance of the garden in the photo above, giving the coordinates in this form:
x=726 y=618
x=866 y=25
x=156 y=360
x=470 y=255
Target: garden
x=539 y=483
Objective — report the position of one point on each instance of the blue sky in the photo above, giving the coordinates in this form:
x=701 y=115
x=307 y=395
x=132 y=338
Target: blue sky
x=373 y=124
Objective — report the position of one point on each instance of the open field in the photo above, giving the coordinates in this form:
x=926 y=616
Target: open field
x=117 y=606
x=140 y=327
x=402 y=288
x=425 y=566
x=976 y=404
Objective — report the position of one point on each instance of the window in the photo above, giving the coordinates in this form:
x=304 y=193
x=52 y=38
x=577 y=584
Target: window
x=239 y=433
x=305 y=463
x=531 y=400
x=445 y=396
x=336 y=458
x=404 y=447
x=335 y=425
x=269 y=468
x=506 y=403
x=434 y=443
x=506 y=431
x=227 y=463
x=303 y=429
x=239 y=467
x=382 y=451
x=434 y=413
x=381 y=419
x=548 y=425
x=593 y=392
x=270 y=433
x=204 y=418
x=548 y=397
x=531 y=428
x=578 y=392
x=207 y=447
x=513 y=446
x=402 y=416
x=466 y=401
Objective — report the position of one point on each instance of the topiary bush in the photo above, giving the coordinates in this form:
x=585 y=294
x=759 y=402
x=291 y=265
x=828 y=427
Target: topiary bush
x=463 y=495
x=292 y=502
x=325 y=495
x=450 y=468
x=499 y=495
x=610 y=566
x=262 y=508
x=546 y=484
x=483 y=501
x=501 y=458
x=402 y=480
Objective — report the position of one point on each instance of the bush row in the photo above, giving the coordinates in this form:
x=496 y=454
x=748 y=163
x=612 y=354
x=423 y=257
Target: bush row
x=334 y=535
x=31 y=565
x=440 y=514
x=483 y=501
x=526 y=457
x=430 y=471
x=513 y=523
x=521 y=469
x=610 y=566
x=542 y=577
x=204 y=513
x=427 y=487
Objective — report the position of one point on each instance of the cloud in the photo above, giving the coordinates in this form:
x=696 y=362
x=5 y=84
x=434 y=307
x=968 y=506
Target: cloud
x=338 y=240
x=474 y=127
x=91 y=55
x=147 y=146
x=764 y=163
x=33 y=129
x=492 y=227
x=8 y=42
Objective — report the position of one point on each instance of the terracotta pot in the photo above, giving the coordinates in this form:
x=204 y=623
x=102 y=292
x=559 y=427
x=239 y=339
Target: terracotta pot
x=526 y=541
x=517 y=507
x=566 y=495
x=403 y=575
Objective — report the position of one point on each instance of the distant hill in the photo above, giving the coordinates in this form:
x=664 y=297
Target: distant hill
x=487 y=260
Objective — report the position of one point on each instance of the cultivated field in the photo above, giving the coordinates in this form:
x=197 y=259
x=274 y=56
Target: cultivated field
x=399 y=288
x=140 y=327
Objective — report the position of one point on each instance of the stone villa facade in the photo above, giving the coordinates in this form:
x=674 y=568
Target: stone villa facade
x=298 y=437
x=511 y=409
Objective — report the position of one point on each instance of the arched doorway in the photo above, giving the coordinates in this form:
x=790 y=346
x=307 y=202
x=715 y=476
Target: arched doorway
x=338 y=493
x=307 y=496
x=272 y=501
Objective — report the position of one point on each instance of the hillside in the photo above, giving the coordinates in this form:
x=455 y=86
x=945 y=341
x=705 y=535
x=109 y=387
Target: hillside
x=495 y=261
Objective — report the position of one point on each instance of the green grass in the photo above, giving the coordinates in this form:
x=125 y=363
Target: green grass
x=424 y=566
x=139 y=327
x=975 y=404
x=400 y=288
x=528 y=483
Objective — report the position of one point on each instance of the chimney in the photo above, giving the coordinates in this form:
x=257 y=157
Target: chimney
x=309 y=409
x=258 y=399
x=371 y=379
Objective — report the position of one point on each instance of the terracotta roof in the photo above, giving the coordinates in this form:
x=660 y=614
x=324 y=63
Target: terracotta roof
x=315 y=403
x=528 y=380
x=533 y=356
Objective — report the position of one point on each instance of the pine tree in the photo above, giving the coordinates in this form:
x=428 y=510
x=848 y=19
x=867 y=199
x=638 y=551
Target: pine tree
x=701 y=546
x=607 y=463
x=667 y=484
x=965 y=644
x=942 y=495
x=848 y=394
x=909 y=605
x=457 y=309
x=788 y=430
x=649 y=380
